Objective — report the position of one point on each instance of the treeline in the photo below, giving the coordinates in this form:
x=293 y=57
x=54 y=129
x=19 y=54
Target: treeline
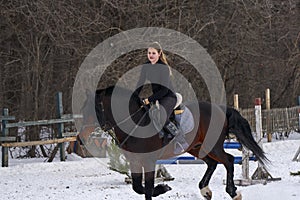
x=255 y=45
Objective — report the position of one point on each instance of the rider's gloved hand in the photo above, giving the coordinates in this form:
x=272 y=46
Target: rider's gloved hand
x=146 y=102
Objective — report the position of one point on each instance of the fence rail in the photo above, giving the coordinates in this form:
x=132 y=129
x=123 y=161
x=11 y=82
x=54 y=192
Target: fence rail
x=8 y=141
x=39 y=122
x=32 y=143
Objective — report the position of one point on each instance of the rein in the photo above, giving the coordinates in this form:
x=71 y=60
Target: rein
x=110 y=131
x=135 y=127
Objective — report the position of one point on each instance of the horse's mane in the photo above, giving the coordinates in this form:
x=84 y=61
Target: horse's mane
x=121 y=91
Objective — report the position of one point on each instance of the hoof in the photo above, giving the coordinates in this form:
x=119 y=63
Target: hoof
x=161 y=189
x=206 y=193
x=238 y=196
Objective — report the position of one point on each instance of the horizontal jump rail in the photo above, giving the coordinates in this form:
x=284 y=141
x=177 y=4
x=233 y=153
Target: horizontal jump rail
x=42 y=142
x=232 y=145
x=193 y=160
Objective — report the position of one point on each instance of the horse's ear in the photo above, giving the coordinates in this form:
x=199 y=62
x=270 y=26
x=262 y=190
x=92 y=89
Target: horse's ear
x=99 y=94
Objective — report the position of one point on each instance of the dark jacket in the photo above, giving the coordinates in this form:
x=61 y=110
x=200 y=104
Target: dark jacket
x=159 y=76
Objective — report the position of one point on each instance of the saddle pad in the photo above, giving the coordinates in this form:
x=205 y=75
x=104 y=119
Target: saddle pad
x=185 y=120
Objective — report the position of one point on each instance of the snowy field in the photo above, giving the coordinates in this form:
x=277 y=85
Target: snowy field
x=90 y=179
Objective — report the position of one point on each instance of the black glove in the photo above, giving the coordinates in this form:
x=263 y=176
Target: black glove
x=141 y=102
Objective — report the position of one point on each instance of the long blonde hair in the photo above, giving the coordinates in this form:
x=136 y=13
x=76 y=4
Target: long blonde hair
x=162 y=57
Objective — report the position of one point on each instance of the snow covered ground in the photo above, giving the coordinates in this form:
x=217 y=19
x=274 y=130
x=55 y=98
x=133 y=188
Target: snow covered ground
x=89 y=178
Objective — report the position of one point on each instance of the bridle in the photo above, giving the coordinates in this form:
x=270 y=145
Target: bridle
x=103 y=124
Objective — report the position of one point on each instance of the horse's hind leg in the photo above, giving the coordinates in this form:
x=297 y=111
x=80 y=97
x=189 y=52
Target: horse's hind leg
x=203 y=185
x=228 y=161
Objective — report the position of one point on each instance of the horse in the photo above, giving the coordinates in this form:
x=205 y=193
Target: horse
x=136 y=149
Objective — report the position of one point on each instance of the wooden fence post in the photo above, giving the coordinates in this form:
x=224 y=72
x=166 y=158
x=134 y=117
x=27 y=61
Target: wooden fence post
x=245 y=152
x=236 y=101
x=60 y=126
x=268 y=117
x=4 y=134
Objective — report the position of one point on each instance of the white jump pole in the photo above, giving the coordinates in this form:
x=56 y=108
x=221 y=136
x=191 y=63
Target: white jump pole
x=258 y=129
x=261 y=174
x=258 y=121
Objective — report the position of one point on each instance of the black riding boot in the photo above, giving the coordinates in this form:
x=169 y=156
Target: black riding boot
x=180 y=143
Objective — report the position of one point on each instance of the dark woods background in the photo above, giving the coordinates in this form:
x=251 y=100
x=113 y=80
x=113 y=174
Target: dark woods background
x=255 y=45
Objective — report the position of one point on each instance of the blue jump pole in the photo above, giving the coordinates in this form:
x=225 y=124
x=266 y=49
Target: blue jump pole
x=175 y=159
x=193 y=160
x=232 y=145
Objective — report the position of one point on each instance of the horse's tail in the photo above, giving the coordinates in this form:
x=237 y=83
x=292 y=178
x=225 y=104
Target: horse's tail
x=240 y=127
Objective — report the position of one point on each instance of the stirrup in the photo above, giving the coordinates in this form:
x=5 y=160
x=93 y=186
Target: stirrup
x=180 y=148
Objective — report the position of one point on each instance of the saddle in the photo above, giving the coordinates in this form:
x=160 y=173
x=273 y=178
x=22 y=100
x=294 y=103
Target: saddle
x=181 y=117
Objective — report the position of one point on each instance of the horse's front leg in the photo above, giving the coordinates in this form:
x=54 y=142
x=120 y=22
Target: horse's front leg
x=149 y=184
x=137 y=183
x=137 y=177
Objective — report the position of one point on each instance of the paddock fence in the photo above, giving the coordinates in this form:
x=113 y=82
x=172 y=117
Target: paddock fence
x=277 y=120
x=10 y=140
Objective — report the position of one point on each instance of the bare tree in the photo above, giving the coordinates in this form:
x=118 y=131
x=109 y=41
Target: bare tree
x=255 y=45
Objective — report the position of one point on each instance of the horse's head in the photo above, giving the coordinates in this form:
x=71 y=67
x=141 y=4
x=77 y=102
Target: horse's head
x=99 y=108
